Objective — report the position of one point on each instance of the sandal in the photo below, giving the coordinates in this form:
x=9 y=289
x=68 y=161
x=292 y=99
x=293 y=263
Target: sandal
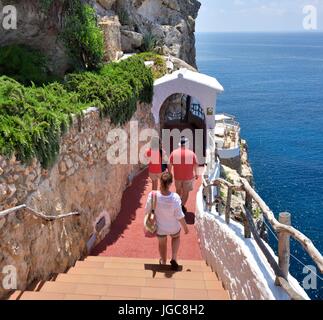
x=174 y=265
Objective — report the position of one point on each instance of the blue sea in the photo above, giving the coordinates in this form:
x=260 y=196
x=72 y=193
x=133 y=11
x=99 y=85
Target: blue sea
x=274 y=86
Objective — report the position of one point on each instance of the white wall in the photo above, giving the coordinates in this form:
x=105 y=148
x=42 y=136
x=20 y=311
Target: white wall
x=239 y=262
x=229 y=153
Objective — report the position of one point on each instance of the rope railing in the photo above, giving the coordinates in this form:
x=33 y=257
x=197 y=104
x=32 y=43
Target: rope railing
x=41 y=215
x=282 y=228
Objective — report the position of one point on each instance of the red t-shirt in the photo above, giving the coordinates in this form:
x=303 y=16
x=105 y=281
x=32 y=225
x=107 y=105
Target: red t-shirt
x=155 y=161
x=184 y=161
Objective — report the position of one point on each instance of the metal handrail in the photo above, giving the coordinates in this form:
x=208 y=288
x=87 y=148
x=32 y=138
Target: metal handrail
x=7 y=212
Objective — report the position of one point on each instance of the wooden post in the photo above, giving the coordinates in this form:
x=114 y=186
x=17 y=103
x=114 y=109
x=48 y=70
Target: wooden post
x=209 y=197
x=228 y=206
x=218 y=194
x=247 y=231
x=284 y=244
x=248 y=204
x=306 y=243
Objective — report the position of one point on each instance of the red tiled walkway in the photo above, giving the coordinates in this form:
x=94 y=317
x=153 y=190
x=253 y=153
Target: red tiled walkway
x=127 y=239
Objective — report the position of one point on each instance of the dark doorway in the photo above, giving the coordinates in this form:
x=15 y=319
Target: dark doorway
x=188 y=116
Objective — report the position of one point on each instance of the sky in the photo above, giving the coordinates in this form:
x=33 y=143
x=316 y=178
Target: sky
x=255 y=15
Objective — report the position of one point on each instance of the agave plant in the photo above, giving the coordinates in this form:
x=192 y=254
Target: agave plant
x=150 y=42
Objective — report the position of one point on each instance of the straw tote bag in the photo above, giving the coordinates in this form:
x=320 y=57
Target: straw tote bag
x=150 y=219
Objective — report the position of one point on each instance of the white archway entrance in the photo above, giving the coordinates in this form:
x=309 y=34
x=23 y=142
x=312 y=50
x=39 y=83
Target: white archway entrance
x=204 y=88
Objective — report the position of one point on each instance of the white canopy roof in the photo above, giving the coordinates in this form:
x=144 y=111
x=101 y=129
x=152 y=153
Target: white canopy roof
x=192 y=76
x=200 y=86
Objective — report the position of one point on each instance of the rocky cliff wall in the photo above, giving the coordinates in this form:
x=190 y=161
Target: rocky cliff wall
x=171 y=22
x=82 y=180
x=125 y=23
x=38 y=29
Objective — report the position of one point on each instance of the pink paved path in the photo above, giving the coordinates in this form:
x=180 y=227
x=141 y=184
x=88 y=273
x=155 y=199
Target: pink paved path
x=127 y=239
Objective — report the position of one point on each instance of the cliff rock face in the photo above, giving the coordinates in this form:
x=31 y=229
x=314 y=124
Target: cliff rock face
x=171 y=22
x=125 y=24
x=39 y=30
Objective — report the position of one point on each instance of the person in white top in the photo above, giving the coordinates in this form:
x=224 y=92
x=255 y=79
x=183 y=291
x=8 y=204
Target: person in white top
x=169 y=217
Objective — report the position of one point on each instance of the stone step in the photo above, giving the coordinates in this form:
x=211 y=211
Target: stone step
x=92 y=278
x=141 y=260
x=88 y=268
x=121 y=265
x=106 y=278
x=28 y=295
x=15 y=295
x=133 y=292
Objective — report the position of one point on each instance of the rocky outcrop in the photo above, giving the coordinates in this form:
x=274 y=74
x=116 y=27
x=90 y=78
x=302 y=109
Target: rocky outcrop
x=112 y=38
x=126 y=23
x=107 y=4
x=39 y=30
x=131 y=41
x=170 y=22
x=82 y=180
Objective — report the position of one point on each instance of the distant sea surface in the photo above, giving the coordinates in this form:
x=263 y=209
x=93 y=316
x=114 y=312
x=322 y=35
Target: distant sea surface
x=274 y=86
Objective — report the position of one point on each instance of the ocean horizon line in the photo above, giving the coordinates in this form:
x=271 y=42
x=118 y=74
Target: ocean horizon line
x=259 y=32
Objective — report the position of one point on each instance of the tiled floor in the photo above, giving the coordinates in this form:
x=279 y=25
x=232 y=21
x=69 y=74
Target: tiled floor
x=127 y=239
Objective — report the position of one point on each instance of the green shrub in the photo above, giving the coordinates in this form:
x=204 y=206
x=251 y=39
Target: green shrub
x=24 y=64
x=33 y=119
x=115 y=89
x=159 y=69
x=82 y=36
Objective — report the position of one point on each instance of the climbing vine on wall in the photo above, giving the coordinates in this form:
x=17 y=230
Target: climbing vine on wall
x=115 y=89
x=32 y=119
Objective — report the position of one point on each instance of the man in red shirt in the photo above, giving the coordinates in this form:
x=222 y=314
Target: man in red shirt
x=185 y=165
